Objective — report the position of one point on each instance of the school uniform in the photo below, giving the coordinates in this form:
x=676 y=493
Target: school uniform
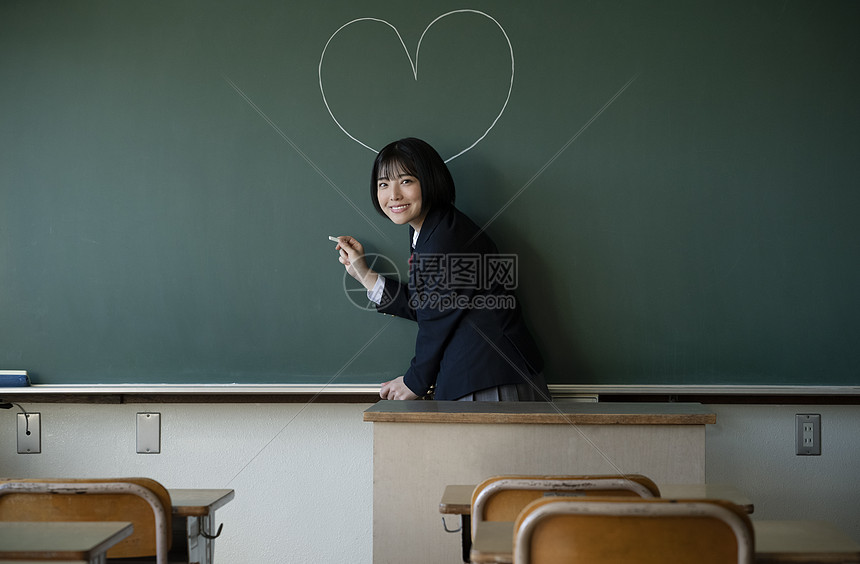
x=472 y=339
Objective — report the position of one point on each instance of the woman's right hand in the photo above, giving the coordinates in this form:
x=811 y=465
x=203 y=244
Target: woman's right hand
x=352 y=258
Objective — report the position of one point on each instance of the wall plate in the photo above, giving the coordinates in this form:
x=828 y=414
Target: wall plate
x=808 y=432
x=29 y=433
x=148 y=433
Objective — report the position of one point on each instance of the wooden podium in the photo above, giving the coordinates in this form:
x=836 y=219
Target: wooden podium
x=419 y=447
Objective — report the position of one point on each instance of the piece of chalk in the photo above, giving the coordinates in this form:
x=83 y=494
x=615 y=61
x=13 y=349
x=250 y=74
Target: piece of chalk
x=333 y=238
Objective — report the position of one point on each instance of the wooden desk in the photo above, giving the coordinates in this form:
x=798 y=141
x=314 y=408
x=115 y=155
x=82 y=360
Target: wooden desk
x=776 y=542
x=457 y=500
x=194 y=521
x=79 y=541
x=803 y=541
x=707 y=491
x=419 y=447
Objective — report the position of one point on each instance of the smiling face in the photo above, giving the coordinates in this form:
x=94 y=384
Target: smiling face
x=409 y=179
x=399 y=196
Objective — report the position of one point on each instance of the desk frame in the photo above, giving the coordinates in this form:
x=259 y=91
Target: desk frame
x=194 y=518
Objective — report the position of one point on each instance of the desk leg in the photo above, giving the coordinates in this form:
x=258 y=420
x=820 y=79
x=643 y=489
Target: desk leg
x=201 y=541
x=193 y=540
x=200 y=549
x=189 y=540
x=208 y=524
x=466 y=536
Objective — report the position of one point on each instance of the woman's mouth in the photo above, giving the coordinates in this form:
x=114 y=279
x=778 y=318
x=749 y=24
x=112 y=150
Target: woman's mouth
x=398 y=209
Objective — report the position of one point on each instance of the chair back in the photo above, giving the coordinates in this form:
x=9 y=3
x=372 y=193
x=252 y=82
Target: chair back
x=501 y=498
x=142 y=501
x=632 y=531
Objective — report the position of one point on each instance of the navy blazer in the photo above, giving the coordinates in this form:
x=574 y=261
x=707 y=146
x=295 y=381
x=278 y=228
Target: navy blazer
x=471 y=332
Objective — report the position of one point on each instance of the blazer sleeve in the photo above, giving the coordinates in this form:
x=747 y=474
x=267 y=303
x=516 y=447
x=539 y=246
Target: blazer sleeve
x=434 y=329
x=395 y=300
x=436 y=309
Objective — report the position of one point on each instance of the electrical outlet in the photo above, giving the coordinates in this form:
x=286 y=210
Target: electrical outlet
x=808 y=429
x=29 y=433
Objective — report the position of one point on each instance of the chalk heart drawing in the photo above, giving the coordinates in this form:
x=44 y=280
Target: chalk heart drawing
x=414 y=65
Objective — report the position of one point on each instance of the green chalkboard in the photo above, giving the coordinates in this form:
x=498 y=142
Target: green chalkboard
x=680 y=181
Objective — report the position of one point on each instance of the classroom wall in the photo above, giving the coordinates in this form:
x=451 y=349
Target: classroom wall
x=754 y=448
x=303 y=472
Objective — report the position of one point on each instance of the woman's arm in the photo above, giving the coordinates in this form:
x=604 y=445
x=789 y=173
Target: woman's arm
x=395 y=300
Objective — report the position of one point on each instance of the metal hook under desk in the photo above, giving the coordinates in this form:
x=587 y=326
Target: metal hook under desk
x=206 y=535
x=447 y=530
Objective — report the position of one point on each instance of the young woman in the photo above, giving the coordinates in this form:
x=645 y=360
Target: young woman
x=472 y=341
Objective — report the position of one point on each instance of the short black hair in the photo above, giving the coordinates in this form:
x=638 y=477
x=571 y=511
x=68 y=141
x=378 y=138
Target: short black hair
x=416 y=158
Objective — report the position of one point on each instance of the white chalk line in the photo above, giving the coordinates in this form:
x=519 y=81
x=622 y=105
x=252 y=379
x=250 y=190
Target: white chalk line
x=414 y=66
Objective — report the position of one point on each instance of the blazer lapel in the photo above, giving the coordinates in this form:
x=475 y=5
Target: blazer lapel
x=431 y=222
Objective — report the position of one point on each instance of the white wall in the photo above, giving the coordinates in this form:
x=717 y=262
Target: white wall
x=303 y=473
x=753 y=447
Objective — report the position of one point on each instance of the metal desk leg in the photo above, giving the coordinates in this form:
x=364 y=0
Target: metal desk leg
x=208 y=524
x=198 y=552
x=466 y=536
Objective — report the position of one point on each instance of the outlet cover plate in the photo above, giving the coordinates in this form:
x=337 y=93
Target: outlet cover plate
x=148 y=433
x=29 y=433
x=808 y=433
